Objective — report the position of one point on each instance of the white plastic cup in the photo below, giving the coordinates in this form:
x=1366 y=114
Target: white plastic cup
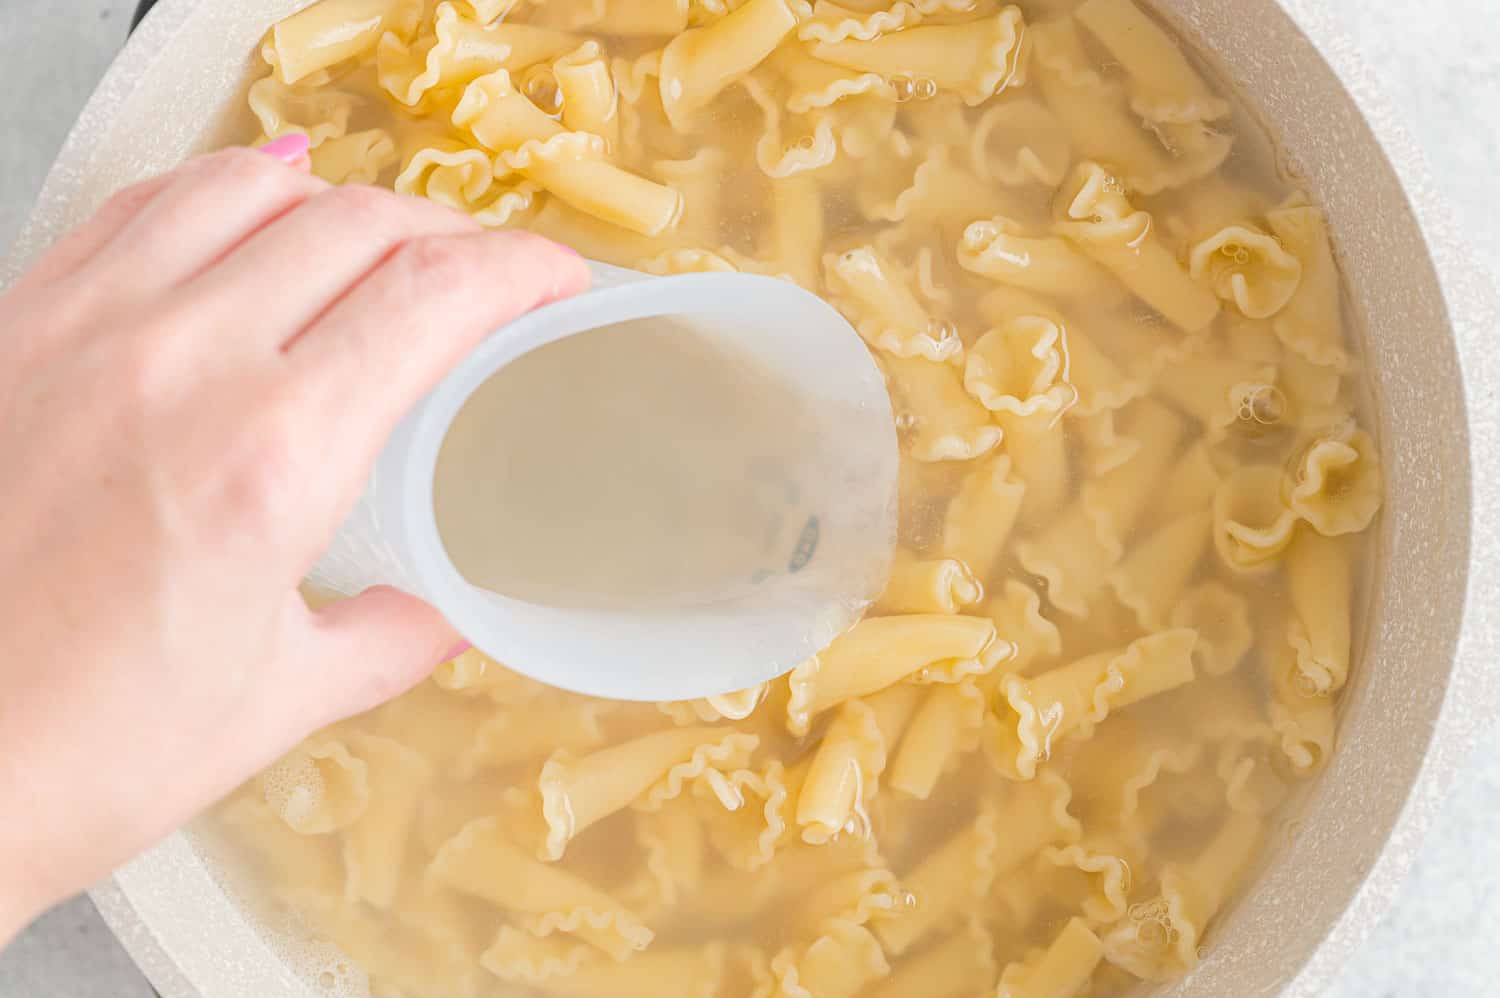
x=825 y=558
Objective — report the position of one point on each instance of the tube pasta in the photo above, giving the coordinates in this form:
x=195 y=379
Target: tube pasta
x=329 y=32
x=1069 y=701
x=590 y=102
x=1320 y=582
x=946 y=725
x=1164 y=86
x=976 y=64
x=980 y=518
x=1096 y=214
x=880 y=651
x=1063 y=969
x=1069 y=556
x=698 y=64
x=844 y=775
x=568 y=164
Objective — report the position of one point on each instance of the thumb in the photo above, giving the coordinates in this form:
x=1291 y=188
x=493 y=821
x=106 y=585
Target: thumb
x=372 y=648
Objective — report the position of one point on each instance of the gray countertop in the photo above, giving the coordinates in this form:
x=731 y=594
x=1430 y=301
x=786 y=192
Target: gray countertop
x=1440 y=59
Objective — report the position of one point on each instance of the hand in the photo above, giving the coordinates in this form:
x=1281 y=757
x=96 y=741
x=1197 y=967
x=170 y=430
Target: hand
x=194 y=386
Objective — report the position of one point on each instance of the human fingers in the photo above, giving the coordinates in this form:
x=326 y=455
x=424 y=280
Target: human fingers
x=77 y=247
x=294 y=269
x=360 y=652
x=399 y=331
x=199 y=216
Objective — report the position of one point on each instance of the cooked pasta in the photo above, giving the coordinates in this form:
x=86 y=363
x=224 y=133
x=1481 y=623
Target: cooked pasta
x=1138 y=493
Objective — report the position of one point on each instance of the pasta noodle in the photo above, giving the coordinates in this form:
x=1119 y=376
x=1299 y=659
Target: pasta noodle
x=1136 y=506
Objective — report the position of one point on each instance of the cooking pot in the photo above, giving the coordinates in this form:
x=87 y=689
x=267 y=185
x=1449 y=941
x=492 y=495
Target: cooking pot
x=1425 y=684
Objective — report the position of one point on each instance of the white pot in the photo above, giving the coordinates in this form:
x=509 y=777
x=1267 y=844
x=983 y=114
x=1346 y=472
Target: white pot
x=1426 y=680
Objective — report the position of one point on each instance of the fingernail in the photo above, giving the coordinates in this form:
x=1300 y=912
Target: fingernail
x=457 y=650
x=569 y=250
x=291 y=148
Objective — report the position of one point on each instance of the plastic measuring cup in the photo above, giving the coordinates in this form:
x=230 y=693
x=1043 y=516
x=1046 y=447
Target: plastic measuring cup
x=805 y=479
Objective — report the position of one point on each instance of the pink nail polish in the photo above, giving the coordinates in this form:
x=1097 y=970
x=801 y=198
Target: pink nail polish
x=290 y=148
x=569 y=250
x=457 y=650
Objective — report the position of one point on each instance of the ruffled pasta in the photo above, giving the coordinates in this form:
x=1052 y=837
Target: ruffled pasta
x=1159 y=939
x=980 y=517
x=358 y=158
x=1312 y=323
x=1248 y=269
x=1020 y=369
x=1018 y=142
x=317 y=788
x=976 y=62
x=950 y=879
x=880 y=651
x=464 y=179
x=568 y=164
x=1221 y=618
x=1252 y=525
x=1099 y=218
x=878 y=299
x=481 y=861
x=577 y=793
x=455 y=50
x=1164 y=86
x=1017 y=612
x=753 y=813
x=1069 y=701
x=941 y=585
x=1337 y=485
x=938 y=419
